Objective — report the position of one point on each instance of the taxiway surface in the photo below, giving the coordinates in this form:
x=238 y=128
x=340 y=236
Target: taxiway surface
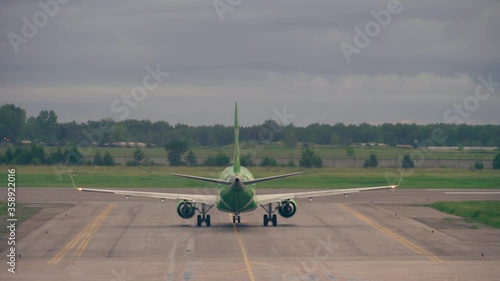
x=380 y=235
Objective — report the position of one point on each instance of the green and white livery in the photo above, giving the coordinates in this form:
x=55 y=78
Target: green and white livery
x=236 y=193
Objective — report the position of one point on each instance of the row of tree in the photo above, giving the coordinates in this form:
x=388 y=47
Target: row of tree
x=176 y=150
x=406 y=163
x=37 y=154
x=15 y=126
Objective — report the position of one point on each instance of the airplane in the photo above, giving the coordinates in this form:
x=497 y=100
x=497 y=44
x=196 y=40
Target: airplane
x=236 y=193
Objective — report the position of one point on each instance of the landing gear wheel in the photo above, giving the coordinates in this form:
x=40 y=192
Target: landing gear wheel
x=203 y=217
x=269 y=216
x=274 y=220
x=198 y=220
x=236 y=219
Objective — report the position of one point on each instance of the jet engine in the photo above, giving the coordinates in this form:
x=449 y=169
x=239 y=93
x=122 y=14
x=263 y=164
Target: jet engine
x=185 y=209
x=287 y=209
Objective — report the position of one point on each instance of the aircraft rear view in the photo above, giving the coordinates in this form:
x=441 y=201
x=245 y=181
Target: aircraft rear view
x=237 y=184
x=236 y=193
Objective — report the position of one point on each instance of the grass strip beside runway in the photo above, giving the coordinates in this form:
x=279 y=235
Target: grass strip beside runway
x=487 y=212
x=23 y=213
x=159 y=176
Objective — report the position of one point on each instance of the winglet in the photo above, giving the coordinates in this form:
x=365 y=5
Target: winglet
x=73 y=181
x=400 y=179
x=236 y=161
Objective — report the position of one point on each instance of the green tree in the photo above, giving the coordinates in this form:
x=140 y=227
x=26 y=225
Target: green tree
x=289 y=137
x=57 y=156
x=219 y=160
x=137 y=158
x=138 y=154
x=8 y=156
x=268 y=161
x=407 y=162
x=246 y=160
x=12 y=122
x=479 y=165
x=47 y=122
x=371 y=162
x=37 y=155
x=310 y=159
x=32 y=130
x=107 y=159
x=334 y=138
x=176 y=149
x=98 y=158
x=350 y=151
x=496 y=162
x=191 y=158
x=73 y=156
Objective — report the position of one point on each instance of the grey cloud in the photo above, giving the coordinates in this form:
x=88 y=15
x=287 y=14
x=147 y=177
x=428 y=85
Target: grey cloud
x=91 y=52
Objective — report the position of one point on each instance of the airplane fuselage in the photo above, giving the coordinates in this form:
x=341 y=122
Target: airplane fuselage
x=236 y=197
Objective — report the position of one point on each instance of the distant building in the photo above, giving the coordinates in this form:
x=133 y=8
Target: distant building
x=129 y=144
x=448 y=148
x=25 y=142
x=406 y=146
x=484 y=148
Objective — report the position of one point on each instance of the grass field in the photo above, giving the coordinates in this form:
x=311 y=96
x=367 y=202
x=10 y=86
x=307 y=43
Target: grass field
x=325 y=151
x=22 y=214
x=487 y=212
x=159 y=176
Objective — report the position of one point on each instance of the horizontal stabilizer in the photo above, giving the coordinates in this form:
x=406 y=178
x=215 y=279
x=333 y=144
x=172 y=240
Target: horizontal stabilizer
x=272 y=178
x=217 y=181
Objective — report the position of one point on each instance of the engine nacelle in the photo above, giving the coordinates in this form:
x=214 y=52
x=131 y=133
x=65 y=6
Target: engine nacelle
x=287 y=208
x=185 y=209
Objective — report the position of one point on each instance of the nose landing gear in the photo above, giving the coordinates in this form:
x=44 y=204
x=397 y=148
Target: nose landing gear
x=236 y=219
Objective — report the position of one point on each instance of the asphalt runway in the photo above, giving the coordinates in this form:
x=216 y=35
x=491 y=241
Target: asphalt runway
x=380 y=235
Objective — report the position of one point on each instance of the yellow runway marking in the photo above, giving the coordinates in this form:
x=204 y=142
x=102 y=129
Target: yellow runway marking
x=247 y=263
x=85 y=242
x=410 y=245
x=83 y=237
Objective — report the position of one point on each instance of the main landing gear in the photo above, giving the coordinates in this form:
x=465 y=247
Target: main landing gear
x=236 y=219
x=203 y=217
x=270 y=216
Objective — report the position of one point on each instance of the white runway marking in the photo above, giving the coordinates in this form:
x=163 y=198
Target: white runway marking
x=474 y=193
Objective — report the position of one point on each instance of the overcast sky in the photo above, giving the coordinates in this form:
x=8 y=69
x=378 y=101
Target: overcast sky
x=418 y=66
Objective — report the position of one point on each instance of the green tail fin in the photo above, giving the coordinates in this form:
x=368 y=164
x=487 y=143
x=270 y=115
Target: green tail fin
x=236 y=162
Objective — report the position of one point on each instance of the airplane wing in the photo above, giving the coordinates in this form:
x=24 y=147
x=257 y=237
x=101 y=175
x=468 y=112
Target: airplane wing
x=276 y=198
x=195 y=198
